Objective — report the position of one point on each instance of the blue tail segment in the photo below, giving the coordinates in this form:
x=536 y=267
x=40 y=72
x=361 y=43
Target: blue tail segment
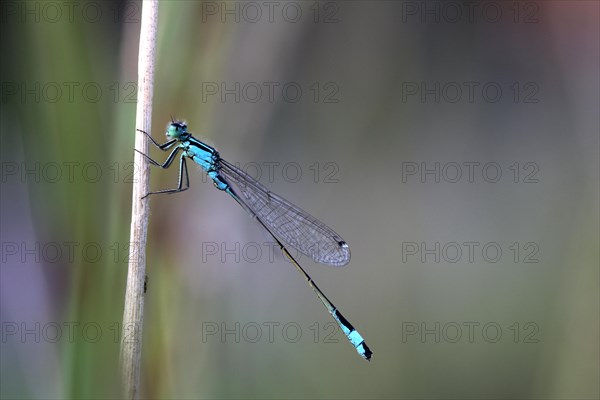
x=353 y=336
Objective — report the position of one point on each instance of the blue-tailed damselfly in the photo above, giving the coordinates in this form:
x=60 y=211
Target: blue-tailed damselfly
x=284 y=221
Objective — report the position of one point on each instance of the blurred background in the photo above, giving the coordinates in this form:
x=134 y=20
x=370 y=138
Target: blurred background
x=453 y=145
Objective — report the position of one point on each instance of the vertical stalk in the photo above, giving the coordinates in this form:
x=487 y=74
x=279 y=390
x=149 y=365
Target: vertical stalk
x=133 y=315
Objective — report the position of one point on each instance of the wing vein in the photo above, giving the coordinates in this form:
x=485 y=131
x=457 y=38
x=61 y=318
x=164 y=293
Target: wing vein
x=294 y=226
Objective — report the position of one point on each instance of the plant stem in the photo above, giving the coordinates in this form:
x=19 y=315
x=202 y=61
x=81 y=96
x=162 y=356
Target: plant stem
x=133 y=315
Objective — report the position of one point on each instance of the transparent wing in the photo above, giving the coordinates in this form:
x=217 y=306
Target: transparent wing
x=294 y=226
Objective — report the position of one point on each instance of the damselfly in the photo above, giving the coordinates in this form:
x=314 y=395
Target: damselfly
x=284 y=221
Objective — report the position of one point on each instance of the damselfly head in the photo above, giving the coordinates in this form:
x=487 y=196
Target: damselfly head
x=176 y=130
